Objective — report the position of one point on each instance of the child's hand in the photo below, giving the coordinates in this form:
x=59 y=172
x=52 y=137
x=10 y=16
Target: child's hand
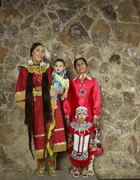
x=67 y=119
x=65 y=95
x=96 y=122
x=69 y=145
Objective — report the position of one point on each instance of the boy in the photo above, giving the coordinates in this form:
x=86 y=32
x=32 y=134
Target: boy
x=60 y=82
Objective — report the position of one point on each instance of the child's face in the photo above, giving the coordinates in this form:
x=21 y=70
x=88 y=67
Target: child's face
x=59 y=67
x=81 y=117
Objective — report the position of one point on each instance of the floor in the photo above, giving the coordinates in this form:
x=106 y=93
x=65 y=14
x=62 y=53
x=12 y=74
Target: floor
x=62 y=175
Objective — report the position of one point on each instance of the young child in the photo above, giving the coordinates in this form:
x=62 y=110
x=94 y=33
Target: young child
x=80 y=142
x=60 y=82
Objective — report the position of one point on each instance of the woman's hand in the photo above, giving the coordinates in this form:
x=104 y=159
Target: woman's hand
x=67 y=119
x=96 y=121
x=65 y=95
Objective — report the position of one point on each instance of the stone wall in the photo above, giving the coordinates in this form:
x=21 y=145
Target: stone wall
x=107 y=34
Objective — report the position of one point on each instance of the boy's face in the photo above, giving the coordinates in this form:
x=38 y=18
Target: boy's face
x=59 y=67
x=81 y=117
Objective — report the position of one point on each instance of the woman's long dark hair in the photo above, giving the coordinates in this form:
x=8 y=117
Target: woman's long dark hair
x=46 y=100
x=29 y=105
x=29 y=108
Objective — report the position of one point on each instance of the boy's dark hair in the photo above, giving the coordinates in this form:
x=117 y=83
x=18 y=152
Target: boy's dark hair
x=83 y=59
x=59 y=60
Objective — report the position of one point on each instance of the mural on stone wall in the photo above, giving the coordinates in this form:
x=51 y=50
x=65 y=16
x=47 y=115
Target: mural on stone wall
x=107 y=34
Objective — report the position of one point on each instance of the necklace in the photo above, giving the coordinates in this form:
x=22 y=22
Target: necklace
x=82 y=90
x=37 y=68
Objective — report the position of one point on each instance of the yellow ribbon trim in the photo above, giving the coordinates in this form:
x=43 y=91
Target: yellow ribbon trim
x=51 y=127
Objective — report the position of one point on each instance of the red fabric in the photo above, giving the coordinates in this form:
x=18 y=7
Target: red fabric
x=98 y=151
x=38 y=123
x=80 y=164
x=58 y=134
x=41 y=161
x=38 y=126
x=91 y=100
x=21 y=82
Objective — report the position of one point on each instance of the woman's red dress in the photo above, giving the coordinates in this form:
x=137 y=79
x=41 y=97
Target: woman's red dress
x=57 y=138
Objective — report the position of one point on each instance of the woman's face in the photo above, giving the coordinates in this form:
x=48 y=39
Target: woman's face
x=38 y=54
x=81 y=67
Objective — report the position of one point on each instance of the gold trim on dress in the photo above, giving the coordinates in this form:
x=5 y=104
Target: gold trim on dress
x=39 y=154
x=59 y=147
x=20 y=96
x=20 y=104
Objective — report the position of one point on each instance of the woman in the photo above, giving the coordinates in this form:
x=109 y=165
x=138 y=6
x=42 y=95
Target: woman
x=33 y=91
x=84 y=91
